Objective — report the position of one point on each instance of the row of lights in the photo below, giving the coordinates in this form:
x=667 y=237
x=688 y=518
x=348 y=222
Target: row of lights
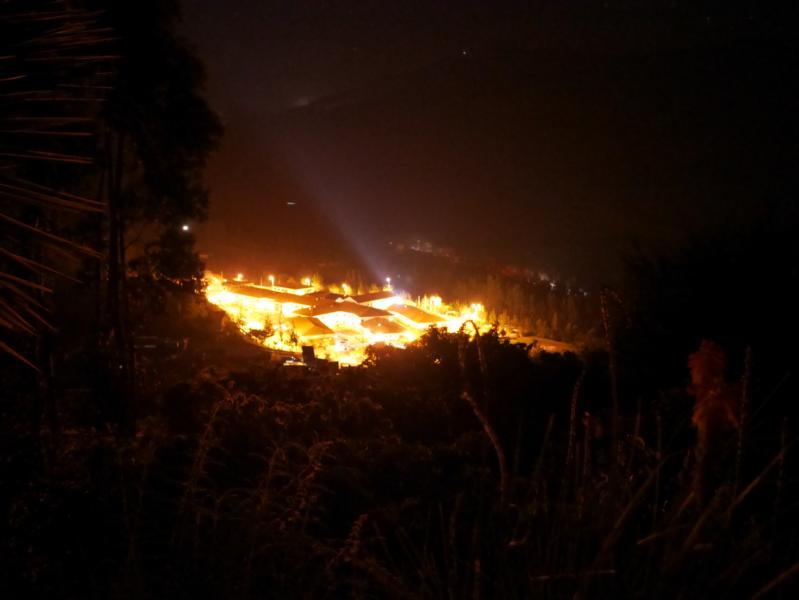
x=305 y=280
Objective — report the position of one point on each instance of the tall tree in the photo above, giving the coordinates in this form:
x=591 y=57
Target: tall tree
x=158 y=132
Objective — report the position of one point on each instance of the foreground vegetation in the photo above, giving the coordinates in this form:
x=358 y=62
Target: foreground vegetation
x=457 y=468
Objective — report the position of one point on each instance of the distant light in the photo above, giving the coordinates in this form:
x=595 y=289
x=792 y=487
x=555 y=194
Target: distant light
x=272 y=280
x=184 y=227
x=240 y=277
x=306 y=281
x=290 y=203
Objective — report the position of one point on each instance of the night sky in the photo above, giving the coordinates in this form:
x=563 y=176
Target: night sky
x=535 y=134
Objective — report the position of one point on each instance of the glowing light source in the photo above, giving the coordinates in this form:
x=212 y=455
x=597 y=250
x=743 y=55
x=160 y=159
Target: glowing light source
x=341 y=332
x=185 y=227
x=254 y=324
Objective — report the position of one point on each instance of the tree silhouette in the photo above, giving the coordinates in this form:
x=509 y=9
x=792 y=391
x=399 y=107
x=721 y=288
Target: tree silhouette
x=157 y=132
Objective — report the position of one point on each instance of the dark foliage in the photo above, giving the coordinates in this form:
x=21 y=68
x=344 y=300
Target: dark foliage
x=248 y=481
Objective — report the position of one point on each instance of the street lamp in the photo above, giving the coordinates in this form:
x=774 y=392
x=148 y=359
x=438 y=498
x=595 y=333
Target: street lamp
x=388 y=283
x=272 y=280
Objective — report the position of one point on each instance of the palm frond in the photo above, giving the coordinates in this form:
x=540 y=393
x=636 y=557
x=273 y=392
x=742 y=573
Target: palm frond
x=5 y=348
x=53 y=81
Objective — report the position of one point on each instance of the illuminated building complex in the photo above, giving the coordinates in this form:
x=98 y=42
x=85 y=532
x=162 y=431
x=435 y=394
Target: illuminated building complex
x=338 y=326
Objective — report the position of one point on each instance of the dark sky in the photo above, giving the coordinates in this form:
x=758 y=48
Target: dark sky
x=549 y=134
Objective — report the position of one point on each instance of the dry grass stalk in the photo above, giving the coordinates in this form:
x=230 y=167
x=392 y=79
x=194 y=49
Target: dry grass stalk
x=614 y=376
x=495 y=443
x=658 y=457
x=263 y=496
x=573 y=419
x=780 y=487
x=777 y=581
x=539 y=463
x=586 y=470
x=352 y=545
x=742 y=415
x=491 y=434
x=452 y=544
x=305 y=497
x=760 y=478
x=198 y=467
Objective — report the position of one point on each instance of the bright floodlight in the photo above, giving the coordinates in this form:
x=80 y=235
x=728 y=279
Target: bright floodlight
x=185 y=227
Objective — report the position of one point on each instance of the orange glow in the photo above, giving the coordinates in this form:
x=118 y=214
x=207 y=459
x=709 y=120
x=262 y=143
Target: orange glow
x=339 y=329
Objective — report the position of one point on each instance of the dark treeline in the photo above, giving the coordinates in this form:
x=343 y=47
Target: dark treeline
x=549 y=309
x=536 y=308
x=148 y=451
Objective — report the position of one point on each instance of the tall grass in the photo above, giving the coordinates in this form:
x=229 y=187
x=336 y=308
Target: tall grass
x=364 y=485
